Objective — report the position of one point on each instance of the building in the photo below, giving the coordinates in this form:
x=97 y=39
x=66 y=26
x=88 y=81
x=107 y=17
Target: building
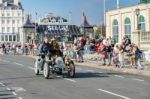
x=56 y=26
x=85 y=28
x=132 y=21
x=11 y=20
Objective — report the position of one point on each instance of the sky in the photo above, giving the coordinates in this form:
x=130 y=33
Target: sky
x=93 y=9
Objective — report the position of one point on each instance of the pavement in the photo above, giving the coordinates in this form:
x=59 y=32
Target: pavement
x=18 y=81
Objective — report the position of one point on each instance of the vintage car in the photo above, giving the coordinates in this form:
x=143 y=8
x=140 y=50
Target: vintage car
x=55 y=66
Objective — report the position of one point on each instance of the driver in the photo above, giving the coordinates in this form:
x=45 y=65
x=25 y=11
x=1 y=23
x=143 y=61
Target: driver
x=56 y=51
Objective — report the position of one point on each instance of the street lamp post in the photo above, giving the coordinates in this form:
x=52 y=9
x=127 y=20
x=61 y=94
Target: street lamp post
x=35 y=27
x=137 y=12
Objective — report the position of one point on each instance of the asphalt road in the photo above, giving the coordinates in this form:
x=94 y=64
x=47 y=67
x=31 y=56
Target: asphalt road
x=18 y=81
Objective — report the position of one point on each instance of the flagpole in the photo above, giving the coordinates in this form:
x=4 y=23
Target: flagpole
x=104 y=12
x=118 y=4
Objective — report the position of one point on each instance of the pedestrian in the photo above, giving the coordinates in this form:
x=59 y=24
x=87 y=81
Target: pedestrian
x=109 y=53
x=121 y=57
x=138 y=57
x=116 y=55
x=76 y=51
x=104 y=55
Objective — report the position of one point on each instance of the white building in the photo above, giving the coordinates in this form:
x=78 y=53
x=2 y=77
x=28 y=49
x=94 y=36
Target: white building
x=56 y=26
x=126 y=21
x=11 y=20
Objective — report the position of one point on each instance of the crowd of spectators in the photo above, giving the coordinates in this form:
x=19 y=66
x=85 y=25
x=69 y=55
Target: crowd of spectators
x=107 y=52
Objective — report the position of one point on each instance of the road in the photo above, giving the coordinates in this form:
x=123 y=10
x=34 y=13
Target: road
x=18 y=81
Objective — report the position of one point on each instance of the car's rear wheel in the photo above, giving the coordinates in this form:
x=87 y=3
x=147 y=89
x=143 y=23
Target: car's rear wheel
x=71 y=71
x=46 y=70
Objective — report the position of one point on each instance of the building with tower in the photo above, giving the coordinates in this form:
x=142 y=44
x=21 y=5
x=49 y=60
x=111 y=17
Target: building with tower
x=11 y=20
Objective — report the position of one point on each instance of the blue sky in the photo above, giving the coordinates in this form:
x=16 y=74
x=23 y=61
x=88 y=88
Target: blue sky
x=93 y=8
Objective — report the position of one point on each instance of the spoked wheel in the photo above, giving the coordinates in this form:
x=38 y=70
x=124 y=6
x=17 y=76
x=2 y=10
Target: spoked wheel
x=46 y=70
x=71 y=71
x=36 y=70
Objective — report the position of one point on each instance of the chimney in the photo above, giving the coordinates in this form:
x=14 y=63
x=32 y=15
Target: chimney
x=16 y=2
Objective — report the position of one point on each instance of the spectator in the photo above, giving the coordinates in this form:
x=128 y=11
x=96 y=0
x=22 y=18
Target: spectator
x=121 y=57
x=138 y=56
x=103 y=53
x=116 y=55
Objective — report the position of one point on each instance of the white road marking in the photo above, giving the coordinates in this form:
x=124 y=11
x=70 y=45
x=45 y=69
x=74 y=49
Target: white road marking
x=14 y=93
x=18 y=89
x=8 y=89
x=71 y=80
x=121 y=96
x=31 y=68
x=18 y=64
x=2 y=84
x=20 y=98
x=119 y=76
x=138 y=79
x=6 y=61
x=90 y=70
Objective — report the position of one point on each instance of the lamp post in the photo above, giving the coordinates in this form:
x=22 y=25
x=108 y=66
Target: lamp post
x=137 y=12
x=35 y=26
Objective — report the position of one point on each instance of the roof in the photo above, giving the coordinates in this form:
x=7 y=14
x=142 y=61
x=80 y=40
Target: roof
x=85 y=23
x=28 y=23
x=50 y=17
x=58 y=29
x=11 y=6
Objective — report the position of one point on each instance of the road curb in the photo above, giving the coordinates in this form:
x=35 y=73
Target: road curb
x=120 y=70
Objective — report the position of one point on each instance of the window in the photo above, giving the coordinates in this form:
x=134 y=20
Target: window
x=14 y=37
x=2 y=14
x=3 y=21
x=10 y=37
x=8 y=14
x=13 y=21
x=6 y=37
x=127 y=26
x=8 y=21
x=115 y=31
x=141 y=23
x=8 y=29
x=3 y=29
x=2 y=37
x=60 y=21
x=19 y=14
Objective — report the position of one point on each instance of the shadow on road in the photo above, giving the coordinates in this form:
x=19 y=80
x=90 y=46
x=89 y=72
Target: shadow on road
x=90 y=75
x=95 y=75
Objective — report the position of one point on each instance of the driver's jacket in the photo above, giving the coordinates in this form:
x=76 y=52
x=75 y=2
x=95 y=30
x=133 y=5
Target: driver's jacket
x=47 y=48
